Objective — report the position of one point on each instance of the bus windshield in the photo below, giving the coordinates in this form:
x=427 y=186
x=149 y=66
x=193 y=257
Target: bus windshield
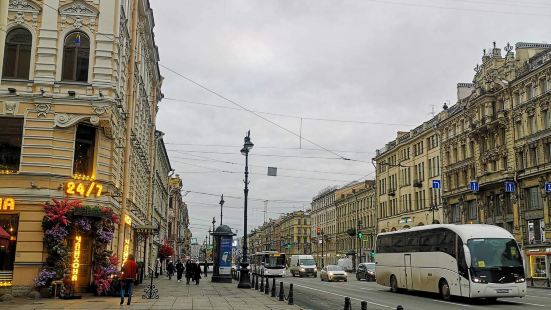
x=494 y=252
x=271 y=260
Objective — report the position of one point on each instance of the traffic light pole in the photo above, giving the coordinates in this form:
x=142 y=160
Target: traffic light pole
x=322 y=254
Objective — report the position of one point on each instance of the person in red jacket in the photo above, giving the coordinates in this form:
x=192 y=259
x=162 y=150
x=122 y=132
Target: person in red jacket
x=128 y=276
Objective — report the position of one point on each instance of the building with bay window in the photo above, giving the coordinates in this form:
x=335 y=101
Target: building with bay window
x=79 y=93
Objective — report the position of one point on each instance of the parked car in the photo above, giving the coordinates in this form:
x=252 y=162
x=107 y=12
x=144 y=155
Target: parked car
x=303 y=265
x=366 y=271
x=332 y=273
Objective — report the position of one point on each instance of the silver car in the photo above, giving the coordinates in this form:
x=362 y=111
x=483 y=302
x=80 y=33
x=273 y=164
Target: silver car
x=332 y=273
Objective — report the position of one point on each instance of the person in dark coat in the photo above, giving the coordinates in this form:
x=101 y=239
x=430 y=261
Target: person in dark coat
x=196 y=273
x=189 y=270
x=170 y=269
x=179 y=270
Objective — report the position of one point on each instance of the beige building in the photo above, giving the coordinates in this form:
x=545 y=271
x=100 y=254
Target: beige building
x=323 y=217
x=405 y=170
x=498 y=135
x=79 y=93
x=355 y=207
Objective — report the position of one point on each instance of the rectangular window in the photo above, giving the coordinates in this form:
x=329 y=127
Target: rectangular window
x=534 y=156
x=85 y=142
x=532 y=124
x=11 y=135
x=518 y=129
x=536 y=231
x=547 y=118
x=533 y=198
x=471 y=208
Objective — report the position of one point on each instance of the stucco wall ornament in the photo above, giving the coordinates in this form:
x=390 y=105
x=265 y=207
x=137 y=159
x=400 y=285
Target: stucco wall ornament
x=80 y=14
x=10 y=107
x=63 y=120
x=100 y=110
x=42 y=109
x=24 y=8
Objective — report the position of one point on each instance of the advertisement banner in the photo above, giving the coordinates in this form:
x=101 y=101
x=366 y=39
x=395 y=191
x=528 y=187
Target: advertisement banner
x=225 y=255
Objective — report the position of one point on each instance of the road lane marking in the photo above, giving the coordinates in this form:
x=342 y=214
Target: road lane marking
x=530 y=304
x=453 y=303
x=538 y=296
x=326 y=292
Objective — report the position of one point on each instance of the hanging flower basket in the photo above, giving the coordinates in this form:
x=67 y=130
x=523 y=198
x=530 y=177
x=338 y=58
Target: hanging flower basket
x=165 y=251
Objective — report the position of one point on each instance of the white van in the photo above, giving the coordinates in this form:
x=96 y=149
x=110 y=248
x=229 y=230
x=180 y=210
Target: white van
x=346 y=264
x=303 y=265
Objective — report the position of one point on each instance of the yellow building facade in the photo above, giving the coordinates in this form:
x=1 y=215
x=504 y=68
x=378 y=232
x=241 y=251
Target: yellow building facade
x=78 y=98
x=355 y=206
x=405 y=171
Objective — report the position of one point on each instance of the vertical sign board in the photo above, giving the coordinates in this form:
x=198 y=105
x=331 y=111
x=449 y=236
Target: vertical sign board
x=436 y=184
x=474 y=186
x=224 y=259
x=547 y=187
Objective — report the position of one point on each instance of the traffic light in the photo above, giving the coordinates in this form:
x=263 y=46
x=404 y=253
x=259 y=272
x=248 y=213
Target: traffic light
x=318 y=230
x=372 y=254
x=360 y=234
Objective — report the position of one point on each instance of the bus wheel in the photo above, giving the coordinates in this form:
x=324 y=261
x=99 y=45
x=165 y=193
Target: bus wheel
x=393 y=284
x=445 y=290
x=491 y=300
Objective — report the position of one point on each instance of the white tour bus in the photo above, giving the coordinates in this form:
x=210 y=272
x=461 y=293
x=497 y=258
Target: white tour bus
x=270 y=263
x=474 y=261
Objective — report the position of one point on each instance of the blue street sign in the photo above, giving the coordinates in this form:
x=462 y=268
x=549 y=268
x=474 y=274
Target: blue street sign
x=510 y=187
x=436 y=184
x=547 y=187
x=474 y=186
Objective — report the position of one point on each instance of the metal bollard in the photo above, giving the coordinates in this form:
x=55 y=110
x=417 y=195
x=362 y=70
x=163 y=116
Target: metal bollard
x=532 y=281
x=273 y=288
x=267 y=287
x=364 y=305
x=262 y=283
x=399 y=307
x=290 y=296
x=256 y=283
x=281 y=292
x=548 y=283
x=347 y=304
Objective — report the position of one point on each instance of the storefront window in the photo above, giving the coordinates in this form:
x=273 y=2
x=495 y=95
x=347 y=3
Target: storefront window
x=8 y=242
x=537 y=266
x=11 y=130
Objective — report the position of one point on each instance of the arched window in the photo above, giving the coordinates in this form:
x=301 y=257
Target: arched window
x=17 y=54
x=76 y=54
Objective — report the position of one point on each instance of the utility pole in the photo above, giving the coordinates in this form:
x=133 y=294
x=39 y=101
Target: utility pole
x=322 y=254
x=265 y=210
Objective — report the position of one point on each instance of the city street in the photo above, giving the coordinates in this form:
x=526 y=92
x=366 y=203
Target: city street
x=311 y=293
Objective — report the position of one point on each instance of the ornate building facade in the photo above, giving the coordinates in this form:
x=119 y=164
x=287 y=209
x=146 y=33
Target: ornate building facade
x=79 y=94
x=498 y=136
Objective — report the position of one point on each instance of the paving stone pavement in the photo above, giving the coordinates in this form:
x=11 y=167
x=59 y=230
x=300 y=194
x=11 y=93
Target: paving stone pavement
x=172 y=295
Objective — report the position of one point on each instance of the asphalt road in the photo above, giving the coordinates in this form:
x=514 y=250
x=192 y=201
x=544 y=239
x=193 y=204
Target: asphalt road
x=311 y=293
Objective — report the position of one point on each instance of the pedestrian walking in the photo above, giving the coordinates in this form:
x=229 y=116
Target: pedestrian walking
x=129 y=272
x=189 y=271
x=179 y=270
x=196 y=273
x=170 y=269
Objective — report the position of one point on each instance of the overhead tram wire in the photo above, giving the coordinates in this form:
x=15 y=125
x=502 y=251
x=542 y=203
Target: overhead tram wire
x=253 y=199
x=209 y=159
x=288 y=115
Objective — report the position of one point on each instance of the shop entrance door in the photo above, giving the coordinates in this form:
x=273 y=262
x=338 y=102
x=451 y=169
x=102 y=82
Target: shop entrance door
x=84 y=261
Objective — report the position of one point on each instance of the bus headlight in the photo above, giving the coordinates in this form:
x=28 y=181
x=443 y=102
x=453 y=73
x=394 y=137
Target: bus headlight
x=479 y=280
x=520 y=280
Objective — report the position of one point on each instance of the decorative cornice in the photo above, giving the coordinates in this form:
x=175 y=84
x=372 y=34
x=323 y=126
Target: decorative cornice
x=63 y=120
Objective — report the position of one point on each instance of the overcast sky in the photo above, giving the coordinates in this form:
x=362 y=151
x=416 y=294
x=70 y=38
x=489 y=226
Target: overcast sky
x=381 y=64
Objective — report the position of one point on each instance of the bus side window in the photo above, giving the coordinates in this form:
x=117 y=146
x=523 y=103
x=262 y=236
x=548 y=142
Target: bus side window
x=461 y=262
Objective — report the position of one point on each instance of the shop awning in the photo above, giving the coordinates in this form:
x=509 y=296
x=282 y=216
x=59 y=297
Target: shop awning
x=4 y=238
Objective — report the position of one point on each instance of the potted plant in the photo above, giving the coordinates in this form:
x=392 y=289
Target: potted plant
x=42 y=282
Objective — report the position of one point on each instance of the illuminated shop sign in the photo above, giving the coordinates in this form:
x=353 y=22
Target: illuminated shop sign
x=76 y=259
x=7 y=204
x=83 y=186
x=125 y=249
x=128 y=220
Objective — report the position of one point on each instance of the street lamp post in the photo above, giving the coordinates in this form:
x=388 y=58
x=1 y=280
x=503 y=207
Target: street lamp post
x=244 y=280
x=221 y=206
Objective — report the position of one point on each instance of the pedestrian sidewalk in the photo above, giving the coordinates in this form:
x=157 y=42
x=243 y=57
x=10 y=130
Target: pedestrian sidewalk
x=172 y=295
